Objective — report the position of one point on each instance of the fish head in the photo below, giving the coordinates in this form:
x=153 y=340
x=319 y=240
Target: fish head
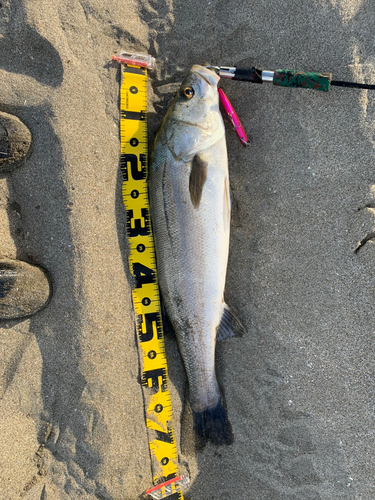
x=197 y=96
x=194 y=122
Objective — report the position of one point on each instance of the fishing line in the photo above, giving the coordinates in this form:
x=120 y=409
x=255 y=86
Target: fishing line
x=353 y=85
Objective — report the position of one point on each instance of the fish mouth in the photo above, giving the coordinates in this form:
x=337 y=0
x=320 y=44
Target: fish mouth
x=206 y=74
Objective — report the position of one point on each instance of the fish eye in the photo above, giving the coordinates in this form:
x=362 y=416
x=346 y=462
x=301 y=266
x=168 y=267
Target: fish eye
x=187 y=92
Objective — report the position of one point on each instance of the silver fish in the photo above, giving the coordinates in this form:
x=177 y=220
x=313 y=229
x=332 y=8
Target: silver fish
x=190 y=212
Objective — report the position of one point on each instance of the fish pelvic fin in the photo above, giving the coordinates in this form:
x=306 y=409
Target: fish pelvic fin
x=213 y=425
x=230 y=326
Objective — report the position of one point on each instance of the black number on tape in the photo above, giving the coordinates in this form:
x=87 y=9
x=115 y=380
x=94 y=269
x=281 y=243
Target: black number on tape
x=151 y=321
x=157 y=378
x=138 y=227
x=143 y=274
x=137 y=175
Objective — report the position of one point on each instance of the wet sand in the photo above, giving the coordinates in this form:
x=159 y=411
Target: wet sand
x=299 y=383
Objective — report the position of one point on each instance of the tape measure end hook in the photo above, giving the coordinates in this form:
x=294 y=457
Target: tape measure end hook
x=145 y=61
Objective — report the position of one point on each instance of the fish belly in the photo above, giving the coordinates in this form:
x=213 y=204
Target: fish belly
x=192 y=253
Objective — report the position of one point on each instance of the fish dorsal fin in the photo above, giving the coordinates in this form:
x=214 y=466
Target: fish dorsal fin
x=229 y=326
x=198 y=176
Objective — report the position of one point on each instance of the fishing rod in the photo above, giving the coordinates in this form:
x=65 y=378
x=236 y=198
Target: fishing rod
x=280 y=78
x=287 y=78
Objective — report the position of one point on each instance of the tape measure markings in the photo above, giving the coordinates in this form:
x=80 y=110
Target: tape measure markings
x=142 y=264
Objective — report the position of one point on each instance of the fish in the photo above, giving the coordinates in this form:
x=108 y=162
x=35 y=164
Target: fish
x=190 y=203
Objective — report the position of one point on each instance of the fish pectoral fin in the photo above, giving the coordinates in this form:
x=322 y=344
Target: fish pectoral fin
x=230 y=326
x=198 y=176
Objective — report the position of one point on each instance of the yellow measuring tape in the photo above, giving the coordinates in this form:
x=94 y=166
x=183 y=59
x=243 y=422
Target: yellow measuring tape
x=142 y=264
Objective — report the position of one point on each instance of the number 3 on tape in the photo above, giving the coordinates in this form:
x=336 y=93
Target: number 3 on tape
x=142 y=264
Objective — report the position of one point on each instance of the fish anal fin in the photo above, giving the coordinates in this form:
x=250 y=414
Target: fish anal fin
x=198 y=176
x=230 y=326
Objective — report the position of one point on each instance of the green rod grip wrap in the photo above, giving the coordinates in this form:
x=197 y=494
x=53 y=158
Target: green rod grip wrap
x=300 y=79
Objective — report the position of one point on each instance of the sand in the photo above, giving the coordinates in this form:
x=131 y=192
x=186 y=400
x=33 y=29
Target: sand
x=299 y=384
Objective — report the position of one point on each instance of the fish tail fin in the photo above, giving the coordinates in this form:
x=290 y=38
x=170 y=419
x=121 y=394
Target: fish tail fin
x=213 y=425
